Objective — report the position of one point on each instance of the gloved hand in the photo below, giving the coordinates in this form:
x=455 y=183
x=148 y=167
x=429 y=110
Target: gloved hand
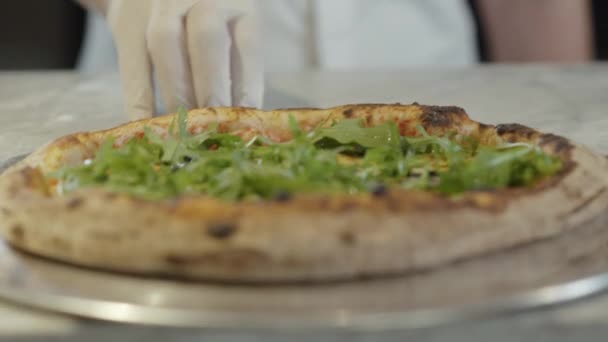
x=203 y=52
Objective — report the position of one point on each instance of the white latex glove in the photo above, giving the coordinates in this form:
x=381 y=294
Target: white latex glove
x=203 y=52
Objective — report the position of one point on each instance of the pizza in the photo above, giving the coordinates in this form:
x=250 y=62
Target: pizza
x=298 y=195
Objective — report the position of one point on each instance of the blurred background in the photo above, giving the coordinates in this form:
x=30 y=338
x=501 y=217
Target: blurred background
x=48 y=34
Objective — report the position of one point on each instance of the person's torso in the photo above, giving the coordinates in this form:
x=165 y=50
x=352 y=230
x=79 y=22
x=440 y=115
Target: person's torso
x=345 y=34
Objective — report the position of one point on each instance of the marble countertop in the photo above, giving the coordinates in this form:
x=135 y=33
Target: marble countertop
x=36 y=107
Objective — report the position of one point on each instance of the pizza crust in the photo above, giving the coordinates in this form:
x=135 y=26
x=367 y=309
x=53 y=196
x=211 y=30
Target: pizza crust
x=310 y=238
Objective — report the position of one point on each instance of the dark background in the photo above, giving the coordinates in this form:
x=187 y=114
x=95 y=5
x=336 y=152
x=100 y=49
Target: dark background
x=47 y=34
x=40 y=34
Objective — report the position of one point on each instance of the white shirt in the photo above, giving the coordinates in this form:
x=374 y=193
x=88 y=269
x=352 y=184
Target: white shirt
x=341 y=34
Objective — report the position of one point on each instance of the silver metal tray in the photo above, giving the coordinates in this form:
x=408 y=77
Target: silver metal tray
x=536 y=275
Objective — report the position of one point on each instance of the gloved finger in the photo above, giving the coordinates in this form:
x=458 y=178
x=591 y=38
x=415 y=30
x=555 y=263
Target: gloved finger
x=136 y=75
x=247 y=69
x=209 y=47
x=167 y=46
x=135 y=65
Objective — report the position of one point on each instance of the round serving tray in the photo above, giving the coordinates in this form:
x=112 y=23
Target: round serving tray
x=536 y=275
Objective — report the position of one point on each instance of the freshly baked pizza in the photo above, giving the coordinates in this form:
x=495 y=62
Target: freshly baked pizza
x=244 y=195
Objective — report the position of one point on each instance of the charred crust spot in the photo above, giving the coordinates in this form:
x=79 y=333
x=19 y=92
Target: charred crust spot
x=17 y=233
x=432 y=119
x=484 y=127
x=348 y=113
x=379 y=190
x=348 y=239
x=75 y=203
x=221 y=231
x=369 y=105
x=508 y=128
x=559 y=144
x=283 y=196
x=450 y=110
x=441 y=117
x=520 y=130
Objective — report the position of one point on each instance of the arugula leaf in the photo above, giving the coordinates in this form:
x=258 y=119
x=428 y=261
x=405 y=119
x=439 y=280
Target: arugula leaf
x=353 y=132
x=492 y=168
x=182 y=119
x=296 y=131
x=345 y=157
